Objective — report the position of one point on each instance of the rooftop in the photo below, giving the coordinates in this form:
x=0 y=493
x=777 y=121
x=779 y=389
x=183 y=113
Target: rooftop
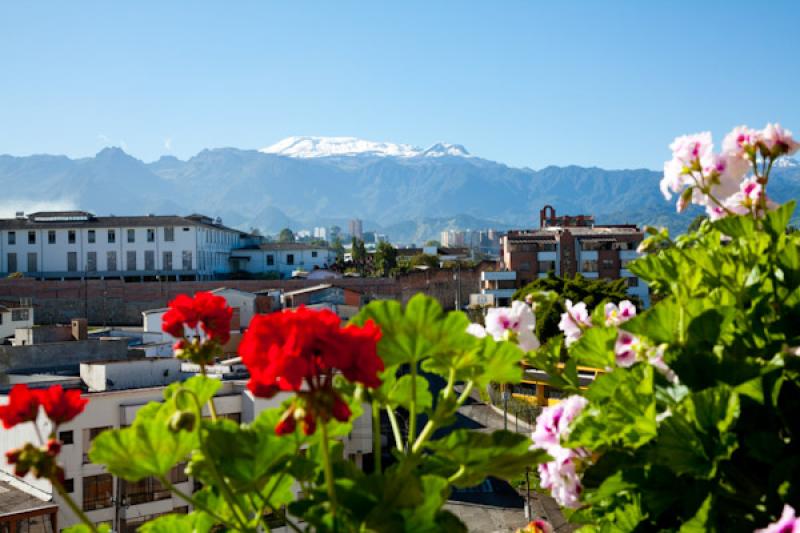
x=71 y=219
x=14 y=501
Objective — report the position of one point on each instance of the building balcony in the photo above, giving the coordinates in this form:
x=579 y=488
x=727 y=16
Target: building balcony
x=629 y=254
x=588 y=255
x=499 y=276
x=547 y=256
x=590 y=275
x=499 y=293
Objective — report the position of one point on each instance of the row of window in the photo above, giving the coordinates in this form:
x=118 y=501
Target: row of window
x=111 y=261
x=91 y=236
x=98 y=491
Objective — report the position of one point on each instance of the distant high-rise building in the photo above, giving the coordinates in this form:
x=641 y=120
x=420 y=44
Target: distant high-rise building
x=357 y=228
x=321 y=233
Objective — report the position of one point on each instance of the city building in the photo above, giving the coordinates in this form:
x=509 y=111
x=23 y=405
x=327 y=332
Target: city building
x=78 y=245
x=116 y=391
x=321 y=232
x=22 y=511
x=283 y=258
x=15 y=315
x=566 y=245
x=356 y=228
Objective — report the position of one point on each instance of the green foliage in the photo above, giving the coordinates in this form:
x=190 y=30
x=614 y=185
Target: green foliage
x=426 y=260
x=286 y=235
x=717 y=450
x=385 y=258
x=550 y=293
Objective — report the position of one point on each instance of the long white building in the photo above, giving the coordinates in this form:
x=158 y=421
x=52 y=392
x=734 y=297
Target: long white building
x=78 y=244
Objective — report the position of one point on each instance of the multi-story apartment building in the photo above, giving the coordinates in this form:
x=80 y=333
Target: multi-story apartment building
x=78 y=244
x=357 y=228
x=116 y=391
x=566 y=246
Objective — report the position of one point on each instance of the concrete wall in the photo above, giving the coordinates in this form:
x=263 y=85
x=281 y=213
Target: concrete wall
x=114 y=302
x=61 y=354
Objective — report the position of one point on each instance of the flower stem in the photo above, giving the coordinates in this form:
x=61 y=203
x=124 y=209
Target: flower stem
x=211 y=408
x=73 y=506
x=188 y=499
x=412 y=408
x=398 y=439
x=326 y=457
x=377 y=451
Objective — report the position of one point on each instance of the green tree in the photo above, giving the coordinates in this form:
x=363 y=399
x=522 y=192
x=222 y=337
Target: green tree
x=338 y=247
x=286 y=235
x=551 y=292
x=385 y=258
x=424 y=260
x=433 y=242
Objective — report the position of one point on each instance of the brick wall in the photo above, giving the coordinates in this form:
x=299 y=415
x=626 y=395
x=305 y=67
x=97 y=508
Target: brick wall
x=114 y=302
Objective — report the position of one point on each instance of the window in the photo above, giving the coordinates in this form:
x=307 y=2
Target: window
x=31 y=237
x=151 y=235
x=131 y=235
x=149 y=260
x=69 y=485
x=547 y=266
x=51 y=237
x=178 y=473
x=97 y=492
x=66 y=437
x=525 y=266
x=169 y=234
x=91 y=236
x=71 y=236
x=166 y=261
x=607 y=263
x=289 y=259
x=589 y=265
x=88 y=436
x=130 y=261
x=72 y=261
x=91 y=261
x=12 y=237
x=633 y=282
x=33 y=264
x=12 y=262
x=314 y=253
x=186 y=260
x=145 y=490
x=111 y=261
x=270 y=260
x=112 y=236
x=20 y=315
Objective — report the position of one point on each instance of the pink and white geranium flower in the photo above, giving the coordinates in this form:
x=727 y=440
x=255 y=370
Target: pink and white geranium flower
x=778 y=141
x=616 y=315
x=787 y=523
x=574 y=321
x=627 y=347
x=560 y=476
x=510 y=323
x=747 y=201
x=740 y=141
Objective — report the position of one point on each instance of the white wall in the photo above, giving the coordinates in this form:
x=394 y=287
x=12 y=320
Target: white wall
x=302 y=259
x=8 y=325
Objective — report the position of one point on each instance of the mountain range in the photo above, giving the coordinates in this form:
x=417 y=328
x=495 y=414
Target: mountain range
x=409 y=193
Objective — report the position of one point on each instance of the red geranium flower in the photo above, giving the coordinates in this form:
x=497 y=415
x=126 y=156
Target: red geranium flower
x=61 y=406
x=299 y=350
x=209 y=311
x=282 y=350
x=23 y=406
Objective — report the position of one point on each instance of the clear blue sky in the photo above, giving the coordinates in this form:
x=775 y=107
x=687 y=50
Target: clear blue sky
x=526 y=83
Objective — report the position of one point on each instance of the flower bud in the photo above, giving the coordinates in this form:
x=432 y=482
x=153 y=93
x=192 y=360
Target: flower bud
x=182 y=421
x=53 y=447
x=309 y=424
x=286 y=425
x=340 y=410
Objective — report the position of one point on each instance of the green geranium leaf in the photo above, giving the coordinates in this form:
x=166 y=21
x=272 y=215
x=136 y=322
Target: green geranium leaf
x=595 y=348
x=195 y=522
x=400 y=394
x=469 y=457
x=149 y=447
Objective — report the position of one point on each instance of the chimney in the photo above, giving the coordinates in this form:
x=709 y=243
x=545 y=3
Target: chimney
x=80 y=329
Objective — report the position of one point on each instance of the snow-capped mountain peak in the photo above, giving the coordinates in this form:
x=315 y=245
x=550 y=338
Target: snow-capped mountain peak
x=787 y=162
x=311 y=147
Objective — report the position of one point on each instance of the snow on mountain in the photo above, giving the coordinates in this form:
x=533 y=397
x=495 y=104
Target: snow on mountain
x=311 y=147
